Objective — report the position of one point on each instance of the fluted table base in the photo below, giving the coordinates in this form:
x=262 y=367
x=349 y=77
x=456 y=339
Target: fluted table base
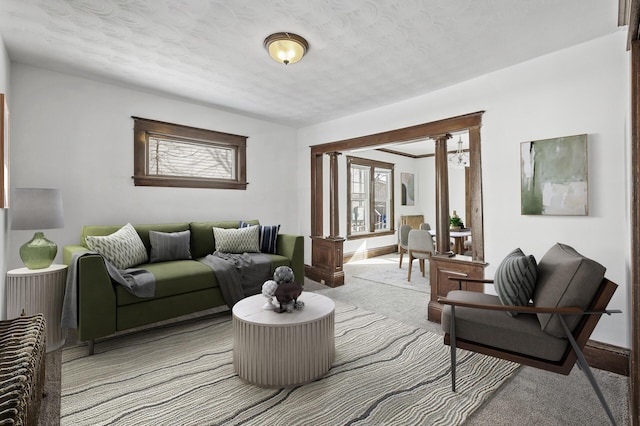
x=283 y=349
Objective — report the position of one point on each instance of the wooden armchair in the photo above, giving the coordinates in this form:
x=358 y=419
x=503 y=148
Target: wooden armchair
x=479 y=322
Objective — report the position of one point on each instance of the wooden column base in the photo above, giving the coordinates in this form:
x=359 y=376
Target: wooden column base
x=443 y=267
x=326 y=261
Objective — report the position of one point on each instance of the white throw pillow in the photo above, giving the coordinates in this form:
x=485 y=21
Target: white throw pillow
x=237 y=240
x=123 y=249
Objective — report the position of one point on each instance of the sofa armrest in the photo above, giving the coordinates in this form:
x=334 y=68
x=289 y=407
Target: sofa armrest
x=68 y=251
x=292 y=247
x=96 y=299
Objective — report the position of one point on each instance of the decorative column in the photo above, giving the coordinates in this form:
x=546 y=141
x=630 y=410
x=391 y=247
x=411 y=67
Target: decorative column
x=442 y=195
x=444 y=264
x=334 y=214
x=327 y=254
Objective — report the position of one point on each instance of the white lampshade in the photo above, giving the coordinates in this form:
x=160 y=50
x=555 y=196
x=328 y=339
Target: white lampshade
x=36 y=208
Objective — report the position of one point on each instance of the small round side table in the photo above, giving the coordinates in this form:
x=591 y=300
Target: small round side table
x=273 y=349
x=34 y=291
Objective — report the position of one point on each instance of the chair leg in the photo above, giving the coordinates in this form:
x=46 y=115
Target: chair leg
x=584 y=366
x=400 y=251
x=410 y=265
x=452 y=343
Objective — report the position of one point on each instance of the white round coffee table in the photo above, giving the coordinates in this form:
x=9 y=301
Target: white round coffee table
x=283 y=349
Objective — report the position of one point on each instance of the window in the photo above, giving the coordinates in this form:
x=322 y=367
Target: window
x=172 y=155
x=369 y=197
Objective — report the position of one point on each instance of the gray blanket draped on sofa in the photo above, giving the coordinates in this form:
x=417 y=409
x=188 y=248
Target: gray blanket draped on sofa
x=139 y=282
x=239 y=275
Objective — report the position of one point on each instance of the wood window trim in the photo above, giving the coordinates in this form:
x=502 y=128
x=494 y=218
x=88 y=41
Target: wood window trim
x=144 y=128
x=372 y=164
x=633 y=44
x=4 y=152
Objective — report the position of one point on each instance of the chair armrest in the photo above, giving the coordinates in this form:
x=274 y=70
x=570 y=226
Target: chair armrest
x=509 y=308
x=564 y=310
x=462 y=278
x=470 y=280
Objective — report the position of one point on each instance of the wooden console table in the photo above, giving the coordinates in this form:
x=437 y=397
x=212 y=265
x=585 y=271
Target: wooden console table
x=443 y=267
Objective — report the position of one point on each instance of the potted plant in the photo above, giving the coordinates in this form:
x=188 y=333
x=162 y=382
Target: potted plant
x=455 y=223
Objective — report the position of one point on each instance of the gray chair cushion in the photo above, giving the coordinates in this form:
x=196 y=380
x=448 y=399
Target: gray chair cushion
x=515 y=279
x=520 y=334
x=565 y=278
x=403 y=236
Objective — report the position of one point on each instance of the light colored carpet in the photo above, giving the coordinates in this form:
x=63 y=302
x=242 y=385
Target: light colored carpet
x=386 y=271
x=385 y=373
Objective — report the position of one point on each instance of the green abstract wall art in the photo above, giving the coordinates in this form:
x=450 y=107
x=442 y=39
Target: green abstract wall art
x=554 y=176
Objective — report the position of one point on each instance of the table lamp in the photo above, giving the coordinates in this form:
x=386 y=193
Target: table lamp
x=37 y=208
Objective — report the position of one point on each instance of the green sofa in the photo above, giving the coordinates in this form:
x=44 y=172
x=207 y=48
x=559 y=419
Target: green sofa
x=182 y=286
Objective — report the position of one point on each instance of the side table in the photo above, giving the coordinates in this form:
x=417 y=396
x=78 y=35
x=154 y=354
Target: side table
x=34 y=291
x=288 y=349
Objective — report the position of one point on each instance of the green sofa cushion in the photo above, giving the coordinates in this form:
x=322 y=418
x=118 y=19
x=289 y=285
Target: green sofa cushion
x=172 y=278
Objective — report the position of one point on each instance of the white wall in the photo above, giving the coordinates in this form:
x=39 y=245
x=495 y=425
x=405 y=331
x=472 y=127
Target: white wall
x=4 y=222
x=583 y=89
x=77 y=135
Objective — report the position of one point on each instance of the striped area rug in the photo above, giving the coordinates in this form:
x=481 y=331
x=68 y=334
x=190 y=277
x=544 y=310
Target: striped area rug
x=385 y=373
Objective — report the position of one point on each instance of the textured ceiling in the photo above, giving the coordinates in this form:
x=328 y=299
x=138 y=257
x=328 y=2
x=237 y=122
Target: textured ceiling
x=363 y=53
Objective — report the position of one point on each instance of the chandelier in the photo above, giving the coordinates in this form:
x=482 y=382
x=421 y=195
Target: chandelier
x=461 y=158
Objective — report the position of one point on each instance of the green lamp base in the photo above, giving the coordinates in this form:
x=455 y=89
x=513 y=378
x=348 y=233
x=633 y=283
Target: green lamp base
x=39 y=252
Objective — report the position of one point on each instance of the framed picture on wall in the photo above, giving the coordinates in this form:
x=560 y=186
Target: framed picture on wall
x=4 y=153
x=408 y=191
x=554 y=179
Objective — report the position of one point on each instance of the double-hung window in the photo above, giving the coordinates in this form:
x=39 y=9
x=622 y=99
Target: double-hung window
x=369 y=197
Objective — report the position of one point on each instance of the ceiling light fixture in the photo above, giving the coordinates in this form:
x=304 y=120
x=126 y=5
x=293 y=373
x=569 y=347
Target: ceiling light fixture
x=286 y=48
x=461 y=158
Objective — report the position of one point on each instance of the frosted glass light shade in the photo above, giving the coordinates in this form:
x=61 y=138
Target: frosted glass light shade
x=286 y=48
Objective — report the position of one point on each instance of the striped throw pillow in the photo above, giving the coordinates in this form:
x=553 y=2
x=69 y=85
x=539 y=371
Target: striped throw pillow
x=515 y=279
x=169 y=246
x=268 y=237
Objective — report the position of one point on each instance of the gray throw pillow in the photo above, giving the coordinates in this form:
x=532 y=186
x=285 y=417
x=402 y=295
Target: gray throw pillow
x=170 y=245
x=515 y=279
